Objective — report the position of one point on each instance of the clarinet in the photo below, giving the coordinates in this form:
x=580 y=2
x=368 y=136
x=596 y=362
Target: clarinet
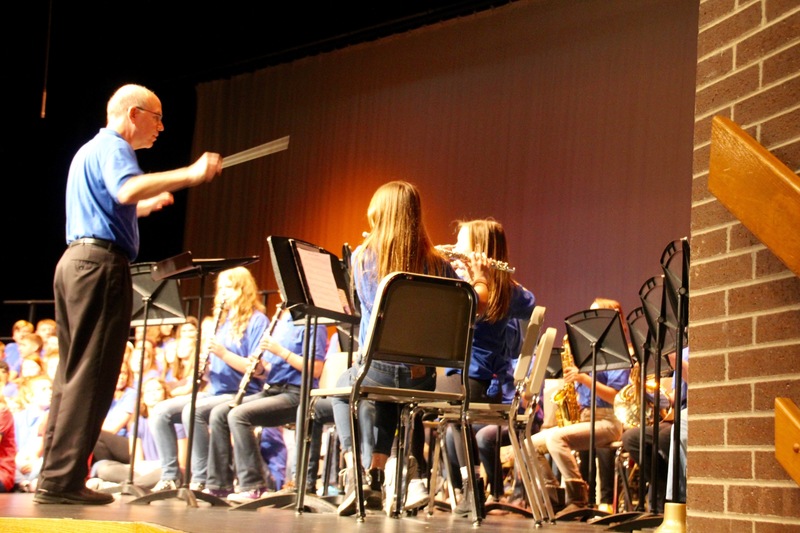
x=205 y=356
x=251 y=368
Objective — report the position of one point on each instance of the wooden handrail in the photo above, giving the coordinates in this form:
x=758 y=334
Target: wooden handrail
x=756 y=188
x=787 y=436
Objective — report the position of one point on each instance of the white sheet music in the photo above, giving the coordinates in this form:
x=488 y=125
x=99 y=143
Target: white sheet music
x=322 y=286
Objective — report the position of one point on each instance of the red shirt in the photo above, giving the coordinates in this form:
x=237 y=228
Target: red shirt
x=8 y=449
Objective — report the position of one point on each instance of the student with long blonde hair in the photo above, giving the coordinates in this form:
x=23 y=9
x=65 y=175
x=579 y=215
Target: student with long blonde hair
x=240 y=323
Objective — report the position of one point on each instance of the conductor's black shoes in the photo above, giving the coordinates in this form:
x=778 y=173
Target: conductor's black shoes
x=83 y=496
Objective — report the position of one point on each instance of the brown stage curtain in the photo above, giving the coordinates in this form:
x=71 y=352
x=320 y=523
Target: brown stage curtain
x=569 y=122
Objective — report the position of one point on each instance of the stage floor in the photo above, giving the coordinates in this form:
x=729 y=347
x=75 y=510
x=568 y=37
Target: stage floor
x=18 y=513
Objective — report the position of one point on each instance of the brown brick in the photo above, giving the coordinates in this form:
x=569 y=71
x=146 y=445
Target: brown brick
x=712 y=10
x=715 y=66
x=726 y=90
x=741 y=237
x=778 y=327
x=751 y=431
x=767 y=40
x=707 y=306
x=708 y=498
x=728 y=30
x=782 y=65
x=721 y=464
x=702 y=130
x=764 y=501
x=772 y=101
x=789 y=155
x=720 y=524
x=723 y=271
x=759 y=361
x=700 y=158
x=775 y=8
x=764 y=296
x=706 y=432
x=768 y=265
x=782 y=128
x=721 y=399
x=700 y=190
x=723 y=334
x=775 y=527
x=710 y=244
x=710 y=214
x=768 y=467
x=707 y=369
x=766 y=392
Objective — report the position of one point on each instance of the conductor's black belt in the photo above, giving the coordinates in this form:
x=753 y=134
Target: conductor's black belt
x=100 y=243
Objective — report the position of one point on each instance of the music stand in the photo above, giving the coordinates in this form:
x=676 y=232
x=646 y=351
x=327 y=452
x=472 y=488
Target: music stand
x=183 y=266
x=313 y=284
x=675 y=265
x=160 y=305
x=597 y=341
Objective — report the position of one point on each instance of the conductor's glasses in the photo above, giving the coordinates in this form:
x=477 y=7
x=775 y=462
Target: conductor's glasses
x=159 y=117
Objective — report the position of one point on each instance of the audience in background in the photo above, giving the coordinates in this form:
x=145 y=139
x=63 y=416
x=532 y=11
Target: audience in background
x=12 y=357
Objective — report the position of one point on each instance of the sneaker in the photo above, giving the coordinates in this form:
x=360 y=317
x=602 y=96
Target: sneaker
x=246 y=496
x=198 y=486
x=165 y=484
x=417 y=495
x=218 y=493
x=348 y=505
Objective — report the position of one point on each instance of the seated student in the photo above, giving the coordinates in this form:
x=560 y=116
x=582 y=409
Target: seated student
x=275 y=455
x=631 y=442
x=8 y=446
x=8 y=388
x=46 y=329
x=276 y=405
x=559 y=442
x=12 y=357
x=29 y=424
x=178 y=372
x=115 y=468
x=146 y=349
x=30 y=347
x=240 y=325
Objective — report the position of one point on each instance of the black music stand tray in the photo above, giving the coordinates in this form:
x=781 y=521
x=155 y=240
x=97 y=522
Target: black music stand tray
x=313 y=285
x=183 y=266
x=160 y=305
x=597 y=341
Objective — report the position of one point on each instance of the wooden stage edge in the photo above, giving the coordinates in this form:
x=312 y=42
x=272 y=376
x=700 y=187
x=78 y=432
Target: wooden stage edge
x=68 y=525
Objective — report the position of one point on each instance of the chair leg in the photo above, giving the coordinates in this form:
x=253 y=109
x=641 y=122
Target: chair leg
x=358 y=474
x=474 y=485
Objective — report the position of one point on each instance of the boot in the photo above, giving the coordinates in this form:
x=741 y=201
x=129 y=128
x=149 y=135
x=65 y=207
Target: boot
x=373 y=498
x=552 y=485
x=577 y=497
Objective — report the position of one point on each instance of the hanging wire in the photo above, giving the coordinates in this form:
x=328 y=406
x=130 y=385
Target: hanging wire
x=47 y=57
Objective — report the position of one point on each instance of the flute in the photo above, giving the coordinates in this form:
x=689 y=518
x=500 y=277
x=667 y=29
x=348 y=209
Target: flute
x=448 y=252
x=254 y=359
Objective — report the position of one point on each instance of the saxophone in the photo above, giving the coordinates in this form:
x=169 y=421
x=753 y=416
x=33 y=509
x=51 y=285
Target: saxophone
x=568 y=411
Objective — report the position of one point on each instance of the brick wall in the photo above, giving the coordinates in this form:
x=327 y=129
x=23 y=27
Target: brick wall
x=744 y=303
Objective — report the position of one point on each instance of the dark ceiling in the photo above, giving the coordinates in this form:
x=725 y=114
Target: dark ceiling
x=80 y=52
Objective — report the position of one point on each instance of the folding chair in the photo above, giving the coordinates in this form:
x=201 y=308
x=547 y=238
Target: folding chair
x=416 y=320
x=482 y=412
x=532 y=478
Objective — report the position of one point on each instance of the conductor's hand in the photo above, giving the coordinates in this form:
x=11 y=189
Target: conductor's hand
x=206 y=168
